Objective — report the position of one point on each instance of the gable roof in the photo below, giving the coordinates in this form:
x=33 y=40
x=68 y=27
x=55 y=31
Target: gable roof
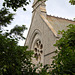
x=59 y=23
x=56 y=23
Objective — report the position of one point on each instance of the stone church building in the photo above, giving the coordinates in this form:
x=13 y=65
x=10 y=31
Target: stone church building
x=43 y=33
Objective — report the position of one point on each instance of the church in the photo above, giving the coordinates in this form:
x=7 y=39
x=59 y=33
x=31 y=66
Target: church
x=43 y=33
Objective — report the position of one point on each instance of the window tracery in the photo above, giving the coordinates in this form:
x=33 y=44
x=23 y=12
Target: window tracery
x=38 y=50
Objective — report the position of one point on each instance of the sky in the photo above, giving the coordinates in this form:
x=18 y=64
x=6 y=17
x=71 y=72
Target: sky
x=60 y=8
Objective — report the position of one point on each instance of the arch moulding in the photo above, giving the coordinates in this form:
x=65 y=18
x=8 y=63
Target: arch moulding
x=34 y=34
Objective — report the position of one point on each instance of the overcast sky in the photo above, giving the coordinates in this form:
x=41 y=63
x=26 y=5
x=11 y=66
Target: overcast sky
x=60 y=8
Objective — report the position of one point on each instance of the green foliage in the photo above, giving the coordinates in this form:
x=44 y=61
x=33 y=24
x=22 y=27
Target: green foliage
x=45 y=70
x=17 y=30
x=15 y=4
x=64 y=61
x=5 y=17
x=12 y=57
x=72 y=2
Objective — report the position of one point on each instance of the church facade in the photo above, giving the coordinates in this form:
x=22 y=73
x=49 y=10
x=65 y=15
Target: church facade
x=43 y=33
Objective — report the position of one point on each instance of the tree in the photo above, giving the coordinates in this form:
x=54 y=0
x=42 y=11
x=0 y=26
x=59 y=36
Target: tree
x=72 y=2
x=64 y=61
x=14 y=59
